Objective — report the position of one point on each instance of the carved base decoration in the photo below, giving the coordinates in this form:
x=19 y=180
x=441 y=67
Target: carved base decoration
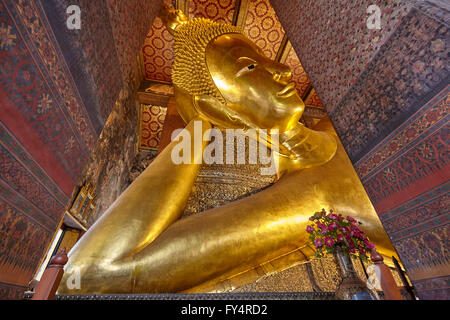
x=351 y=286
x=200 y=296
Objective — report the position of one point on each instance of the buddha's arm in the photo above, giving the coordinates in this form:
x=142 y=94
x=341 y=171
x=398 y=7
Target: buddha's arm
x=199 y=247
x=147 y=207
x=246 y=232
x=255 y=229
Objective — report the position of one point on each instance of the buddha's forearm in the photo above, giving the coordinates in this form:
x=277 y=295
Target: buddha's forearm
x=199 y=248
x=147 y=207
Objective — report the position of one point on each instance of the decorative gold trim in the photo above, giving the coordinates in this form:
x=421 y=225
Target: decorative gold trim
x=84 y=203
x=76 y=220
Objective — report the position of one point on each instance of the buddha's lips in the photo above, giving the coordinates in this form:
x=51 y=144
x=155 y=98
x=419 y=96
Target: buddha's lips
x=287 y=91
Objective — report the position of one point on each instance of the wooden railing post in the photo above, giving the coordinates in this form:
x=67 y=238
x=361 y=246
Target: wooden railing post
x=387 y=282
x=51 y=277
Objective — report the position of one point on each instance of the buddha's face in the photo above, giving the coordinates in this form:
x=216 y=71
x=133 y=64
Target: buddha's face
x=254 y=86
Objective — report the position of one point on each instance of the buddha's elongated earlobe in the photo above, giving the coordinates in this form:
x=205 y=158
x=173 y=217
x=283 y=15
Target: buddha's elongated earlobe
x=309 y=148
x=220 y=114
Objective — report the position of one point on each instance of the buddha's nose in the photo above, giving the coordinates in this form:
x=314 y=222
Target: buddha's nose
x=280 y=72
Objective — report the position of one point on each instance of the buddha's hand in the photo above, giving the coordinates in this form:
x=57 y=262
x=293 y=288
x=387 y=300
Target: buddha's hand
x=306 y=148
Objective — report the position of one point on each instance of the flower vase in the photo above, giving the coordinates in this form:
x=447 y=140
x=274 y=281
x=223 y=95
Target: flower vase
x=351 y=287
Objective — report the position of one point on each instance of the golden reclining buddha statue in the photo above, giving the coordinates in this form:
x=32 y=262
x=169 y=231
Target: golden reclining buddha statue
x=221 y=78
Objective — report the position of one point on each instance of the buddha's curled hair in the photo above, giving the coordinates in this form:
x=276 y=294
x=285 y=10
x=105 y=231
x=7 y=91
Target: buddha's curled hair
x=190 y=71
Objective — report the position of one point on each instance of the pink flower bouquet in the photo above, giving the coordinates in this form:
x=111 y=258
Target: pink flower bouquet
x=331 y=230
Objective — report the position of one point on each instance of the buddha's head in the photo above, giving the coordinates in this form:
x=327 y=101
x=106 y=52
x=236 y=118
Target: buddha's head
x=221 y=75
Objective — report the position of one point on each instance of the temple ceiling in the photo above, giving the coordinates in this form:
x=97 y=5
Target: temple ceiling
x=259 y=22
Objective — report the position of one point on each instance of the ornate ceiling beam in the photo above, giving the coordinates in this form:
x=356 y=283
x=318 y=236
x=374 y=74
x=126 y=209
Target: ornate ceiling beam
x=283 y=50
x=240 y=13
x=307 y=92
x=182 y=5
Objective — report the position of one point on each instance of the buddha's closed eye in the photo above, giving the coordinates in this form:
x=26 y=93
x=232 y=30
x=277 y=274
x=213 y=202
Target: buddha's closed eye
x=249 y=66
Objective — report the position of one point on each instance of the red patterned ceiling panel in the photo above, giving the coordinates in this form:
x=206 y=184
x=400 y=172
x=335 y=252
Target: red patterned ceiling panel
x=299 y=75
x=262 y=26
x=220 y=11
x=157 y=53
x=151 y=126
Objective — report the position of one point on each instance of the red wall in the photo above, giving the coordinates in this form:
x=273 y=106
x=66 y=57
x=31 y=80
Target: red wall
x=58 y=87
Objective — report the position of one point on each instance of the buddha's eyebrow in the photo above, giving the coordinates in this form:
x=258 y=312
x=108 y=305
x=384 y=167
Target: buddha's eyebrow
x=246 y=59
x=249 y=65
